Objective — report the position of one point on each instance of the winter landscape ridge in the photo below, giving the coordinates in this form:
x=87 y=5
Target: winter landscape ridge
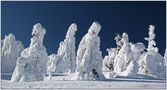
x=129 y=65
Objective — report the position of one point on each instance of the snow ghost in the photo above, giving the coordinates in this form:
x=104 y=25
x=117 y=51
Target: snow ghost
x=150 y=39
x=108 y=60
x=152 y=62
x=89 y=57
x=123 y=57
x=31 y=65
x=67 y=53
x=11 y=50
x=133 y=67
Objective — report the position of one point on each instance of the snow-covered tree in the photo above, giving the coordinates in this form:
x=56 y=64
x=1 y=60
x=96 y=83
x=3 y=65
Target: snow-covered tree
x=51 y=65
x=123 y=57
x=67 y=52
x=133 y=67
x=31 y=65
x=10 y=51
x=89 y=57
x=108 y=60
x=151 y=43
x=152 y=62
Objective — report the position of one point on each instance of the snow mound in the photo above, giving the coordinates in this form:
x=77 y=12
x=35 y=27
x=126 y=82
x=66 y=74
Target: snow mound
x=152 y=64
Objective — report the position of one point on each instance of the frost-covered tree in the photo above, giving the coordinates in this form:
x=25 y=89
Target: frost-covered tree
x=89 y=57
x=55 y=64
x=51 y=65
x=31 y=65
x=152 y=62
x=67 y=52
x=133 y=67
x=10 y=51
x=108 y=60
x=123 y=57
x=151 y=43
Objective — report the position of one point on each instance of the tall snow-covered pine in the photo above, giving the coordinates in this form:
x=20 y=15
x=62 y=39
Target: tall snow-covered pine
x=67 y=52
x=89 y=57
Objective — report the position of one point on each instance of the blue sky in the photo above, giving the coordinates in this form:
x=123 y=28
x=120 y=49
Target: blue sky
x=115 y=17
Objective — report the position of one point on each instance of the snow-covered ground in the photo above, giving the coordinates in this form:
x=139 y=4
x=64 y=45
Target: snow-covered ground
x=61 y=81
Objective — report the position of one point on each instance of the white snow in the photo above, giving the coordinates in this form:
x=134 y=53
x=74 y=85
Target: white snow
x=31 y=65
x=60 y=81
x=10 y=51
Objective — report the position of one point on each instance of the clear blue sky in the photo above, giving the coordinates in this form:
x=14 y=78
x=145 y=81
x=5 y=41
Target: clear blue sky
x=115 y=17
